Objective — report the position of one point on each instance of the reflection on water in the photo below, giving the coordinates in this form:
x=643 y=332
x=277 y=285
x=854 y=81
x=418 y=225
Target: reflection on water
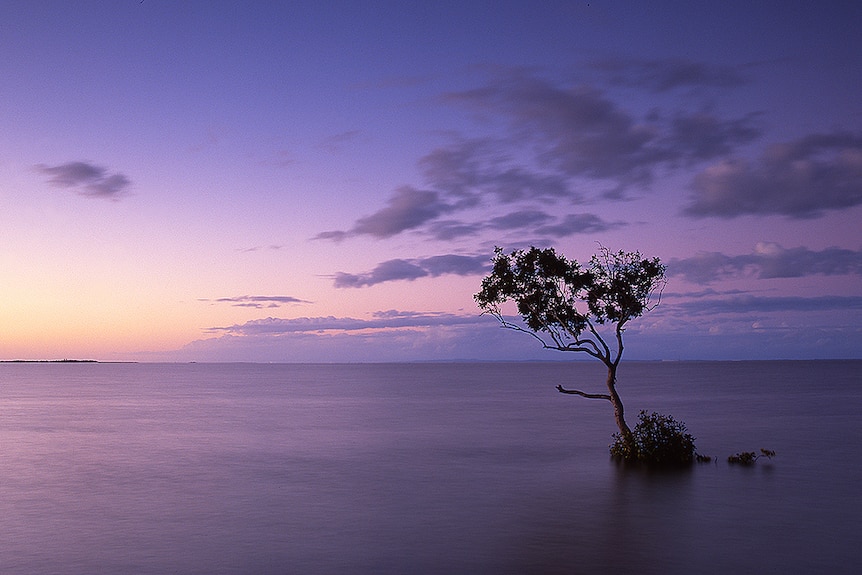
x=419 y=469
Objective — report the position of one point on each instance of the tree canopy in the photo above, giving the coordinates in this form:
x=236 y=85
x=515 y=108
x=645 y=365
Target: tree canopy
x=562 y=302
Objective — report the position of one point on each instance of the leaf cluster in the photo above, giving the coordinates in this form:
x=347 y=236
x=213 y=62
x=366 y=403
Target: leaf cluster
x=623 y=283
x=559 y=296
x=545 y=287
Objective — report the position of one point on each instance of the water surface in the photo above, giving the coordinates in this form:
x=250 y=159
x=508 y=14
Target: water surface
x=421 y=468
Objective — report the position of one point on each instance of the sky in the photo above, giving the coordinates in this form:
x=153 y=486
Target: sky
x=327 y=181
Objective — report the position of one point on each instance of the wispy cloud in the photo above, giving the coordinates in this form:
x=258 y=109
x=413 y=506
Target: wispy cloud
x=257 y=301
x=86 y=179
x=400 y=269
x=390 y=319
x=760 y=305
x=769 y=260
x=800 y=179
x=270 y=247
x=386 y=336
x=665 y=75
x=280 y=159
x=337 y=142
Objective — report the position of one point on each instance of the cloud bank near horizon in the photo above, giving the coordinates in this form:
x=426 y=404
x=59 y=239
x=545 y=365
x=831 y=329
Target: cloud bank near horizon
x=754 y=327
x=768 y=261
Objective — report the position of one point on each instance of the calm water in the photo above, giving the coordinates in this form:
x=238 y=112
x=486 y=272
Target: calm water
x=467 y=468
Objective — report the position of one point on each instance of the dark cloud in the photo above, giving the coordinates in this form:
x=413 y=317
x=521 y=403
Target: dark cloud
x=87 y=179
x=527 y=220
x=452 y=229
x=258 y=301
x=455 y=264
x=390 y=270
x=704 y=136
x=799 y=179
x=519 y=219
x=532 y=220
x=407 y=209
x=470 y=170
x=579 y=131
x=768 y=261
x=399 y=269
x=334 y=235
x=577 y=224
x=669 y=74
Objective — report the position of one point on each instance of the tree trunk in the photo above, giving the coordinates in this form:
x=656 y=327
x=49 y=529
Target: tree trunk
x=619 y=411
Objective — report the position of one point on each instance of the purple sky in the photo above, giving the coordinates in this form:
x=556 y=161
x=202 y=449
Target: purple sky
x=297 y=181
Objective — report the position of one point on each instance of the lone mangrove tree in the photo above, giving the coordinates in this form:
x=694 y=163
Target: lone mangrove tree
x=562 y=304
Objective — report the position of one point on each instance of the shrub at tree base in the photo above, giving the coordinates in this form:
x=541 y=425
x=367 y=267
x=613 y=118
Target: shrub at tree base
x=657 y=441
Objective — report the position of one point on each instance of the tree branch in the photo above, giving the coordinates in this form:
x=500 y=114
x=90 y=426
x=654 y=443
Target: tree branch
x=619 y=332
x=578 y=345
x=558 y=345
x=582 y=394
x=516 y=327
x=606 y=356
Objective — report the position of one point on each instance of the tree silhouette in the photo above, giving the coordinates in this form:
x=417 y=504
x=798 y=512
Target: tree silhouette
x=562 y=304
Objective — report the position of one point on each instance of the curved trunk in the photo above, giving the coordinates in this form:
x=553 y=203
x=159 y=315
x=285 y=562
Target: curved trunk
x=619 y=411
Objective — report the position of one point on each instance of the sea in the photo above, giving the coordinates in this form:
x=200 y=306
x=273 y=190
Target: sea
x=436 y=468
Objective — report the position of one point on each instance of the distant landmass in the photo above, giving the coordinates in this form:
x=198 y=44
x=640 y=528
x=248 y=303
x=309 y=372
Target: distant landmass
x=49 y=361
x=58 y=361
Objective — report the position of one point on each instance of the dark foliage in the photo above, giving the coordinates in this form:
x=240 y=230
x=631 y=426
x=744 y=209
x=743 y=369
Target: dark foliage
x=657 y=441
x=548 y=288
x=749 y=457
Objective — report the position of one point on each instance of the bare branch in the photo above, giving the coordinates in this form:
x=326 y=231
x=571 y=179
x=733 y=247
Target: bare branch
x=619 y=333
x=579 y=343
x=516 y=327
x=582 y=394
x=606 y=356
x=558 y=345
x=571 y=347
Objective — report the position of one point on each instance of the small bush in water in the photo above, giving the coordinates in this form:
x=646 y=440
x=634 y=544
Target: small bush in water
x=749 y=457
x=657 y=440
